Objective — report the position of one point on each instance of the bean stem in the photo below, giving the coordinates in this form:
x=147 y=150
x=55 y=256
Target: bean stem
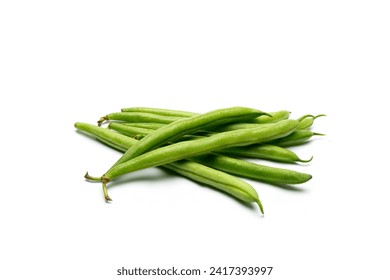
x=91 y=178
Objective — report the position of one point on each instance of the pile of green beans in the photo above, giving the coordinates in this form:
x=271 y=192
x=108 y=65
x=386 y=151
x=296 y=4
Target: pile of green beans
x=210 y=148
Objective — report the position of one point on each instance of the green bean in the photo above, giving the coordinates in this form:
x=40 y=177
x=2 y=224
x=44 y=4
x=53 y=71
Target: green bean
x=307 y=121
x=262 y=151
x=182 y=150
x=252 y=170
x=138 y=117
x=185 y=126
x=189 y=169
x=159 y=111
x=265 y=151
x=298 y=137
x=234 y=126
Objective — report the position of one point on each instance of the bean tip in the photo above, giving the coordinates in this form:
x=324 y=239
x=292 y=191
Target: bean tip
x=320 y=115
x=318 y=134
x=306 y=160
x=260 y=206
x=305 y=177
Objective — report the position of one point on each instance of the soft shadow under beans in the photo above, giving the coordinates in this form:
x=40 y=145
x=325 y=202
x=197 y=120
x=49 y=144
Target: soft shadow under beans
x=125 y=180
x=247 y=205
x=287 y=187
x=128 y=179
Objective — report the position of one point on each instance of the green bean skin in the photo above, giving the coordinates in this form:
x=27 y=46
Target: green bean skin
x=298 y=137
x=159 y=111
x=186 y=126
x=130 y=130
x=186 y=149
x=274 y=117
x=153 y=126
x=265 y=151
x=111 y=144
x=138 y=117
x=252 y=170
x=234 y=126
x=263 y=120
x=189 y=169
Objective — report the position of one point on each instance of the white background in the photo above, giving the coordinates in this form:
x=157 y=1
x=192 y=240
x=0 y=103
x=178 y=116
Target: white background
x=68 y=61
